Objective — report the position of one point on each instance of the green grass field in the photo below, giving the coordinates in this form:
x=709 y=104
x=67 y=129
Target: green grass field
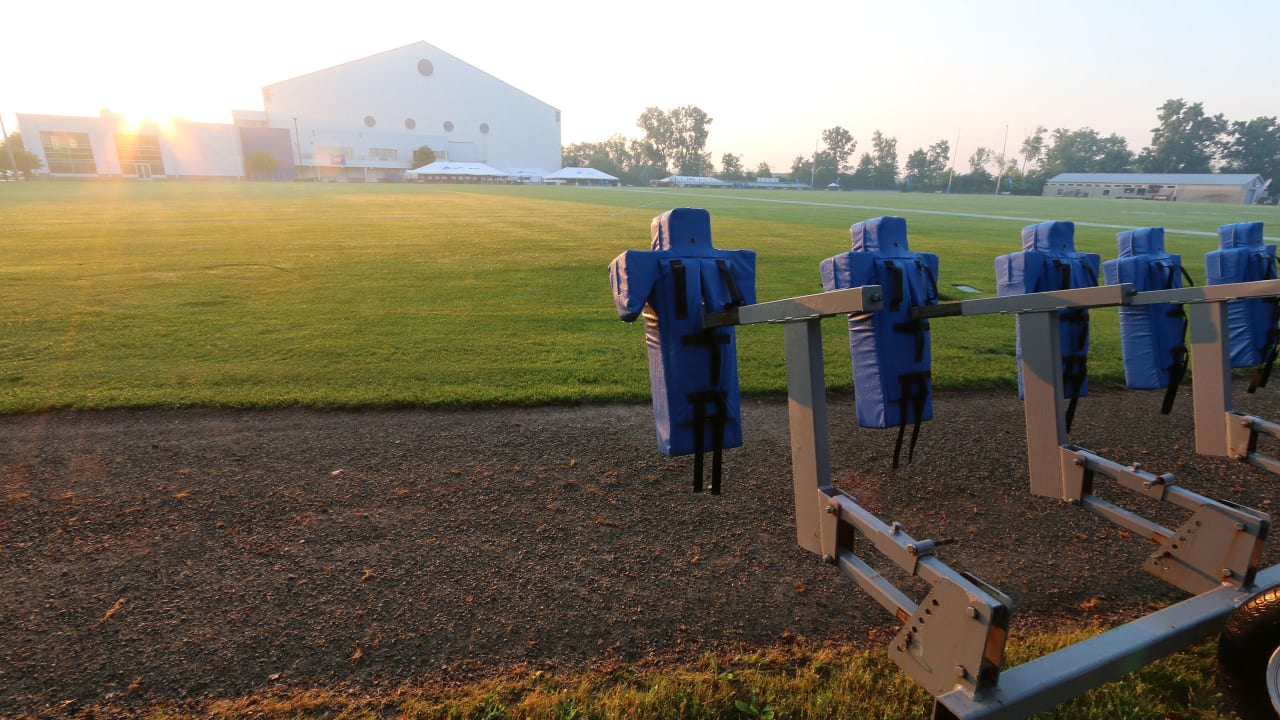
x=263 y=295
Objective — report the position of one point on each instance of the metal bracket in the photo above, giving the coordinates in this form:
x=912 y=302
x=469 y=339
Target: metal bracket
x=955 y=639
x=1242 y=440
x=1220 y=544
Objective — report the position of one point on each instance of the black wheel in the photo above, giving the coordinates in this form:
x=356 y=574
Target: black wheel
x=1249 y=657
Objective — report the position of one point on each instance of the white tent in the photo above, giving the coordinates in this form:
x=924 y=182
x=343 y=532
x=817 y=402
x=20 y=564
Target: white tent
x=691 y=181
x=581 y=176
x=445 y=171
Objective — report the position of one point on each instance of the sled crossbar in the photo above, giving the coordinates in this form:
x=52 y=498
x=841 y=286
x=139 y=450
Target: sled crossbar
x=952 y=642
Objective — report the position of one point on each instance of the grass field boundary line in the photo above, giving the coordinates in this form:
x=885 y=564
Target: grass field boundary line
x=977 y=216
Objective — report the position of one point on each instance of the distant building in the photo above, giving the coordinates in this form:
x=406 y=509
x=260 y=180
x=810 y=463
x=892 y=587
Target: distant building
x=109 y=146
x=1194 y=187
x=358 y=122
x=363 y=120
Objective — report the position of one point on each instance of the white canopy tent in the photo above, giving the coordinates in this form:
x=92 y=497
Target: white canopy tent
x=445 y=171
x=581 y=176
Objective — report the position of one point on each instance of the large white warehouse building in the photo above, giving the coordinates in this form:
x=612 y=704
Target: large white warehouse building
x=360 y=121
x=368 y=116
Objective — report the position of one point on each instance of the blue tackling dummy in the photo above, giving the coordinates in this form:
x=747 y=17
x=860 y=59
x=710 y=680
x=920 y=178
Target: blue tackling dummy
x=1049 y=261
x=1252 y=323
x=693 y=373
x=890 y=349
x=1153 y=338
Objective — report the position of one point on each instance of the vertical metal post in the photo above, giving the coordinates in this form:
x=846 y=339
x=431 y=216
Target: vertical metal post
x=1211 y=375
x=1041 y=339
x=810 y=435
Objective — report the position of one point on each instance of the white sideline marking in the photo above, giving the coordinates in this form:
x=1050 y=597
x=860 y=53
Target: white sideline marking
x=904 y=211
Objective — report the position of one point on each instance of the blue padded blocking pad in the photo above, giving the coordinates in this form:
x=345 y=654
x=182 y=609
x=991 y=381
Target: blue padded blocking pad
x=1047 y=262
x=885 y=236
x=1238 y=235
x=1141 y=241
x=1243 y=257
x=1152 y=337
x=884 y=345
x=647 y=283
x=1055 y=236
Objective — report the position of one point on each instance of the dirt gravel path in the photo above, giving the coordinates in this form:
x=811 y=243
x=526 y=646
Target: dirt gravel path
x=168 y=555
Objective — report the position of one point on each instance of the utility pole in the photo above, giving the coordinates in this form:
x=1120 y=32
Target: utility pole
x=954 y=152
x=813 y=165
x=1000 y=170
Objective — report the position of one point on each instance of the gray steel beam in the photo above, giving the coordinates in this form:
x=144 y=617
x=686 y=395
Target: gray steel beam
x=1059 y=676
x=810 y=434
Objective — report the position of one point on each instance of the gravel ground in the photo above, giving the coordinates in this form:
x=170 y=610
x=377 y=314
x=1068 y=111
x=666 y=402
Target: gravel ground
x=179 y=555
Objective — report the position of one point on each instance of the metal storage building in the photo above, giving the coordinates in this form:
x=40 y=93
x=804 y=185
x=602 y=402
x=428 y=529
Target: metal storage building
x=1198 y=187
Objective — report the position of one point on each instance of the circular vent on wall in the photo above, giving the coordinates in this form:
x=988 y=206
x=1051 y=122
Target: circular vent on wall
x=410 y=123
x=369 y=121
x=484 y=128
x=425 y=67
x=448 y=126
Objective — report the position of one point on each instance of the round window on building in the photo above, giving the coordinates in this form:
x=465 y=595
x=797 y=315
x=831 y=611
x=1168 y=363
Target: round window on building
x=369 y=121
x=448 y=126
x=484 y=128
x=410 y=123
x=425 y=67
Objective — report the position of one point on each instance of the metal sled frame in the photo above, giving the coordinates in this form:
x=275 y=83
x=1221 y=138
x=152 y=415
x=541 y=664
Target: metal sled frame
x=952 y=642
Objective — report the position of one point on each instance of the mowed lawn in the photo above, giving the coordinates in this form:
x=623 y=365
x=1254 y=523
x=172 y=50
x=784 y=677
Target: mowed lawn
x=119 y=294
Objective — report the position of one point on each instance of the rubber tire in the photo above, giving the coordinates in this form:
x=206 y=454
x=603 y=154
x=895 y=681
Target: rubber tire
x=1251 y=636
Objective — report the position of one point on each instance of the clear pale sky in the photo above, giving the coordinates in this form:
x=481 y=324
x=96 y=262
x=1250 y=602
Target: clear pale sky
x=771 y=73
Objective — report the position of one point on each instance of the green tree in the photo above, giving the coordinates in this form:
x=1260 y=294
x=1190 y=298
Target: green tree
x=802 y=169
x=1033 y=148
x=25 y=161
x=762 y=170
x=423 y=156
x=826 y=169
x=864 y=174
x=927 y=168
x=1185 y=140
x=1083 y=150
x=678 y=138
x=731 y=167
x=261 y=165
x=840 y=146
x=1254 y=147
x=884 y=174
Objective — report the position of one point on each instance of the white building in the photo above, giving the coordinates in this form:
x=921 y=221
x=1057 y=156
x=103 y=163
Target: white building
x=360 y=121
x=1244 y=188
x=109 y=146
x=363 y=120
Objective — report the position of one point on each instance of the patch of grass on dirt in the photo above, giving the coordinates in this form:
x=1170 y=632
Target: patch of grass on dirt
x=791 y=682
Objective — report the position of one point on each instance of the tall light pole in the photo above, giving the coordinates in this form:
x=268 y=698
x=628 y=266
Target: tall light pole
x=1000 y=170
x=954 y=153
x=813 y=165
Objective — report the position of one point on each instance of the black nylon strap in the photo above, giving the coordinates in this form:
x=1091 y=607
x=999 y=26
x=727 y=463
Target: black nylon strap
x=1178 y=367
x=682 y=293
x=1075 y=370
x=896 y=289
x=699 y=423
x=914 y=395
x=729 y=283
x=1177 y=371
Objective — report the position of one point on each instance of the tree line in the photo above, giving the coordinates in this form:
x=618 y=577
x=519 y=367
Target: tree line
x=1186 y=139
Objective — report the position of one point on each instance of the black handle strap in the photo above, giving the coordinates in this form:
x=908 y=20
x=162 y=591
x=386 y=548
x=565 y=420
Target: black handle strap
x=682 y=293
